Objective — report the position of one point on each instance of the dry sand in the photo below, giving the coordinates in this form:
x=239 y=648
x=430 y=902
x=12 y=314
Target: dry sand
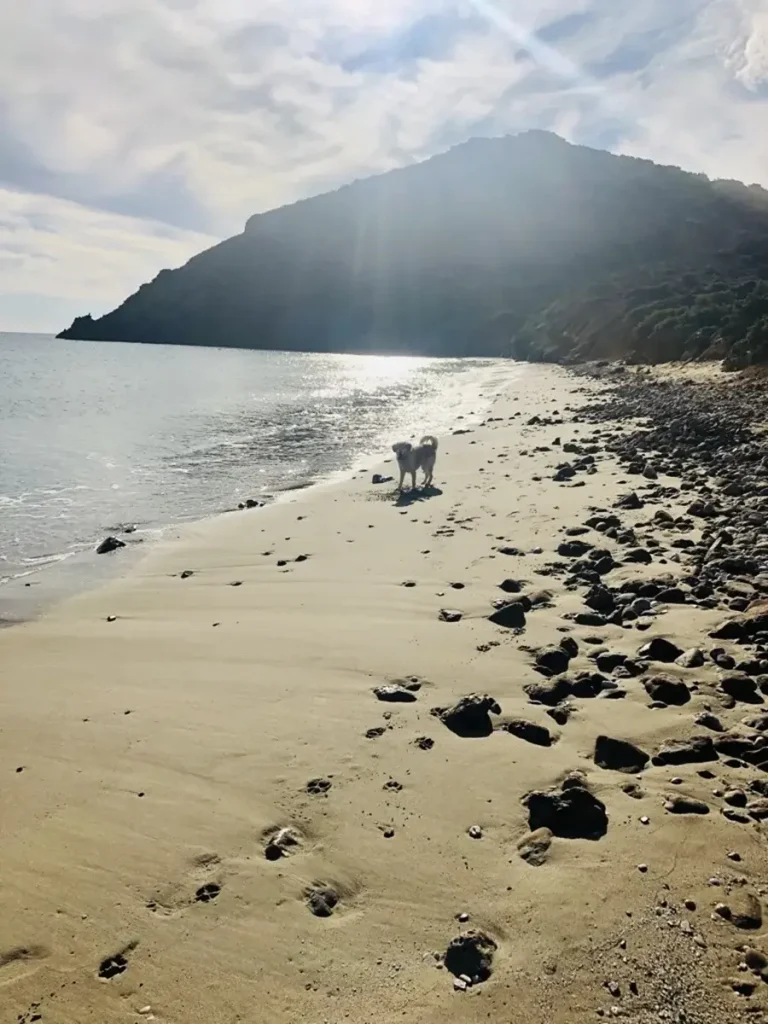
x=148 y=757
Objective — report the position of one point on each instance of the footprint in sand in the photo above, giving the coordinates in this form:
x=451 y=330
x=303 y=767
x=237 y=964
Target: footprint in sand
x=203 y=885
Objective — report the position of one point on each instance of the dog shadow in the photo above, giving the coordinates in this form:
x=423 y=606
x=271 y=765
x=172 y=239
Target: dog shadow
x=405 y=498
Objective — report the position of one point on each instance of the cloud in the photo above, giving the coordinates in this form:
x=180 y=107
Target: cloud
x=121 y=116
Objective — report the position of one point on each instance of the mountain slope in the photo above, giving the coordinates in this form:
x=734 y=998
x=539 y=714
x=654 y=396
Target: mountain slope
x=523 y=246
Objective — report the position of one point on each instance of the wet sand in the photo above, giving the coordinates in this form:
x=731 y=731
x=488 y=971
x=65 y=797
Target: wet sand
x=209 y=815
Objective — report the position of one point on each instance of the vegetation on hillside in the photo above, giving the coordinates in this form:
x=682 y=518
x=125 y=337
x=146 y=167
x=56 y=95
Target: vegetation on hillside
x=524 y=246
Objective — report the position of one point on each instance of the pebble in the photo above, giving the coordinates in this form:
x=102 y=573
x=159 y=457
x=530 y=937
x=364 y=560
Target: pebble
x=475 y=832
x=464 y=916
x=642 y=868
x=732 y=855
x=645 y=820
x=459 y=985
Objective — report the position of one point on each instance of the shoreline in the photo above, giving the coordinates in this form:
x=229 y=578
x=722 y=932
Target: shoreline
x=208 y=802
x=27 y=596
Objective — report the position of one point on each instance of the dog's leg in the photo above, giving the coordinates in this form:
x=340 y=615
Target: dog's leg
x=402 y=477
x=413 y=479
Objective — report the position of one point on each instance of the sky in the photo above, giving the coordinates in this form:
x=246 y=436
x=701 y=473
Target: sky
x=134 y=133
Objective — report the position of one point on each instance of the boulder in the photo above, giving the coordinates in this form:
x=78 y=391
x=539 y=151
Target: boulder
x=470 y=716
x=510 y=615
x=696 y=750
x=570 y=813
x=109 y=544
x=619 y=755
x=660 y=649
x=667 y=690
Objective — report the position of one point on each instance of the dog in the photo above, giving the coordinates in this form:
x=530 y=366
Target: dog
x=409 y=459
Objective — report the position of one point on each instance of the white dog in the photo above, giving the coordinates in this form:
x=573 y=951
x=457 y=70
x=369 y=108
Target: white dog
x=409 y=459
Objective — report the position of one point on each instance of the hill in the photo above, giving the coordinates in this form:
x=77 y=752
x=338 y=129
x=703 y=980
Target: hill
x=524 y=246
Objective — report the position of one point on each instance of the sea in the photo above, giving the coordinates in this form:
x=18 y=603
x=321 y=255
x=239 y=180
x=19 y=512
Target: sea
x=100 y=438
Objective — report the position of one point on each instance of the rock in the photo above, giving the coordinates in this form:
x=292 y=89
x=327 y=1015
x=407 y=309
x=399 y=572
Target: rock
x=510 y=586
x=534 y=847
x=424 y=742
x=470 y=716
x=694 y=658
x=745 y=910
x=321 y=900
x=475 y=832
x=570 y=646
x=702 y=510
x=600 y=600
x=629 y=501
x=685 y=805
x=660 y=649
x=638 y=556
x=574 y=548
x=619 y=755
x=667 y=690
x=673 y=595
x=550 y=693
x=697 y=749
x=736 y=798
x=394 y=694
x=450 y=615
x=709 y=721
x=564 y=472
x=608 y=661
x=471 y=954
x=377 y=478
x=741 y=688
x=509 y=550
x=755 y=959
x=375 y=732
x=186 y=574
x=572 y=813
x=510 y=615
x=530 y=732
x=552 y=660
x=731 y=629
x=109 y=544
x=758 y=809
x=281 y=843
x=590 y=619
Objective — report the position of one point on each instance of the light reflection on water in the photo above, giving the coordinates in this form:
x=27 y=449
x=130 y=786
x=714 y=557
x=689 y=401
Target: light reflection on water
x=99 y=434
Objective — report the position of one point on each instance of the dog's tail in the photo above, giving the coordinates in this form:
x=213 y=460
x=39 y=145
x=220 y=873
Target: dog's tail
x=431 y=441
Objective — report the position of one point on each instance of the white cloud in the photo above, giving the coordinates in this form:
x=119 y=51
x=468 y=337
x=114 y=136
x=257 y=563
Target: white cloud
x=198 y=113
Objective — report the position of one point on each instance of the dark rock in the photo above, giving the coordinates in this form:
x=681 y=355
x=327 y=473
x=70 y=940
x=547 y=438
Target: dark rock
x=551 y=692
x=560 y=713
x=639 y=556
x=470 y=716
x=600 y=600
x=574 y=548
x=377 y=478
x=510 y=615
x=660 y=649
x=608 y=661
x=629 y=501
x=741 y=688
x=573 y=813
x=667 y=690
x=564 y=472
x=450 y=615
x=685 y=805
x=511 y=586
x=731 y=629
x=695 y=750
x=534 y=847
x=321 y=900
x=511 y=551
x=673 y=595
x=570 y=646
x=471 y=953
x=619 y=755
x=109 y=544
x=530 y=732
x=709 y=721
x=736 y=798
x=375 y=732
x=590 y=619
x=394 y=694
x=702 y=510
x=552 y=660
x=589 y=684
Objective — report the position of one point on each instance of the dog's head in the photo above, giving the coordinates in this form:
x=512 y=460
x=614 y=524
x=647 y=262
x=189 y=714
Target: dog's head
x=402 y=449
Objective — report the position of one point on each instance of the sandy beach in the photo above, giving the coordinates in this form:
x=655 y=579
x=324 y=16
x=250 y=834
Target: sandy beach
x=208 y=816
